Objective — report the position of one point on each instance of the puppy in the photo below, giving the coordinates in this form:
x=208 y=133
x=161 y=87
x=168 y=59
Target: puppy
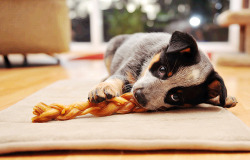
x=162 y=71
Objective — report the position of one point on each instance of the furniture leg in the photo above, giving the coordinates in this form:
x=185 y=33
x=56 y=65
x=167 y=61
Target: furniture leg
x=25 y=60
x=6 y=61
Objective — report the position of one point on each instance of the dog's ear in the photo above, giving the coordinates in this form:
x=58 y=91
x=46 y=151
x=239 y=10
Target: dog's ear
x=182 y=46
x=217 y=88
x=182 y=43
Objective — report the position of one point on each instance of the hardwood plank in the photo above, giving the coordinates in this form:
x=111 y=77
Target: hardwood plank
x=187 y=155
x=18 y=83
x=237 y=80
x=66 y=155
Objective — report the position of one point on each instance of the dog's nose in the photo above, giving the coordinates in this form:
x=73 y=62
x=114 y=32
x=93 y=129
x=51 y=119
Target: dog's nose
x=140 y=97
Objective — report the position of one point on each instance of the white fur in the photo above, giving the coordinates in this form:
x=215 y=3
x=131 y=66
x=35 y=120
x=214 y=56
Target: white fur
x=195 y=74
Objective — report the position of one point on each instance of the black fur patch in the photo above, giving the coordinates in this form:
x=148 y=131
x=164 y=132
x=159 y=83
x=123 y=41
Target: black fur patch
x=172 y=58
x=180 y=41
x=196 y=94
x=127 y=87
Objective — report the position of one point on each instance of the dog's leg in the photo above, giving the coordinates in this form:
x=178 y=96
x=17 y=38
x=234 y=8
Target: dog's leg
x=113 y=45
x=108 y=89
x=113 y=86
x=230 y=102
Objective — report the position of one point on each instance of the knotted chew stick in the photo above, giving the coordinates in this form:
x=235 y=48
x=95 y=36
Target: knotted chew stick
x=123 y=104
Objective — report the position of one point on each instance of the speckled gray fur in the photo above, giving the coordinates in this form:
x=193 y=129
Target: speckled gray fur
x=135 y=50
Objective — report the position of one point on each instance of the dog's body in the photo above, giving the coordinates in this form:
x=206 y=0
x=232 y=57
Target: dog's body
x=162 y=70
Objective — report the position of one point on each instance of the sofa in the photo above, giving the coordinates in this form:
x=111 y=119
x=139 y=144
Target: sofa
x=33 y=26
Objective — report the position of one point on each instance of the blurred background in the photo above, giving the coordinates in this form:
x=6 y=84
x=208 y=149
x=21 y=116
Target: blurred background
x=129 y=16
x=95 y=22
x=85 y=26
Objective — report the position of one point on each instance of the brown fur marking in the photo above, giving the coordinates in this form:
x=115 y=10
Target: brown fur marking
x=170 y=74
x=156 y=58
x=186 y=50
x=107 y=62
x=214 y=89
x=130 y=77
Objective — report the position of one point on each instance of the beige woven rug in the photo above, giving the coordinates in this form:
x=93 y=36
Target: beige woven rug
x=200 y=128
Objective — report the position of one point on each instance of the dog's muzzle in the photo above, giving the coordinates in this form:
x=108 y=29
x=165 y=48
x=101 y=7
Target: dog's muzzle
x=140 y=97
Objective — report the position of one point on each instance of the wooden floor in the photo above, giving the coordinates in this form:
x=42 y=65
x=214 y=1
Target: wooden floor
x=20 y=82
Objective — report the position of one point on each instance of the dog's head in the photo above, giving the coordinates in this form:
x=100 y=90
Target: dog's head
x=180 y=75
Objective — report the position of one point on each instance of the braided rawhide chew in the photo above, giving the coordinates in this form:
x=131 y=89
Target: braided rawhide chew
x=123 y=104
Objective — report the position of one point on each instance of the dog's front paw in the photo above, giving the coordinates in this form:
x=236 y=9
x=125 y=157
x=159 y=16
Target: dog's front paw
x=230 y=102
x=103 y=91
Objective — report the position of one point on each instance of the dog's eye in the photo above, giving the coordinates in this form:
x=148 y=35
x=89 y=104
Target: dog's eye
x=175 y=97
x=162 y=70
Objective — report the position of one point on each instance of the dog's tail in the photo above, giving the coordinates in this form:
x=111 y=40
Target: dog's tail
x=113 y=45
